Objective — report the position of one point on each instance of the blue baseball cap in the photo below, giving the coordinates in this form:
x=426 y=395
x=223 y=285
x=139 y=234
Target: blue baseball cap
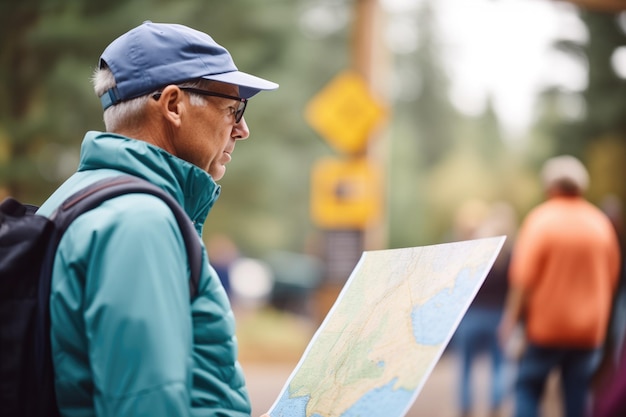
x=154 y=55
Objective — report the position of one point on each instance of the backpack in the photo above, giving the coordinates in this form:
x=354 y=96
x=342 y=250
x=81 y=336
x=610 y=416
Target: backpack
x=28 y=244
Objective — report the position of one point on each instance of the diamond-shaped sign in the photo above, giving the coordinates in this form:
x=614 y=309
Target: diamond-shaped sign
x=345 y=113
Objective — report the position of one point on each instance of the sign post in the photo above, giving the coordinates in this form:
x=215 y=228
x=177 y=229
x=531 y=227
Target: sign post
x=347 y=191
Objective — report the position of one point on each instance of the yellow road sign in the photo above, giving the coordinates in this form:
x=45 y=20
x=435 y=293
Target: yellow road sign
x=345 y=194
x=345 y=113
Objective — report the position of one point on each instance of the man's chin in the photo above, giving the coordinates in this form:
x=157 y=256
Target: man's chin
x=218 y=174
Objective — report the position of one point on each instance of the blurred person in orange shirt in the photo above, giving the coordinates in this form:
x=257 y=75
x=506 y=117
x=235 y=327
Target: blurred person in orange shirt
x=563 y=274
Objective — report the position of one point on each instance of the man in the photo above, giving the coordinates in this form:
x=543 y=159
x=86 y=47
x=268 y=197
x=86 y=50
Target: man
x=563 y=273
x=126 y=341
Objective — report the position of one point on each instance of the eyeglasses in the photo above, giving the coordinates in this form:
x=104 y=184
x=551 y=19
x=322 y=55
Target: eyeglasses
x=243 y=102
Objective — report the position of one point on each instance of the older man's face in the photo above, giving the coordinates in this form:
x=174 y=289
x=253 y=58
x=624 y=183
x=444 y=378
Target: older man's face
x=210 y=133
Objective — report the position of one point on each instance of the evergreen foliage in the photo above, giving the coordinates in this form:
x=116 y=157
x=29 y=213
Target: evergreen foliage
x=49 y=48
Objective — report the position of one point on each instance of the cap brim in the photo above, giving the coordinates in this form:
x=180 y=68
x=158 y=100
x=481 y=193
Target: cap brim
x=248 y=84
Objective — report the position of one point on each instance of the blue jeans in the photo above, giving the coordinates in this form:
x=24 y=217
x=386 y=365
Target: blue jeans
x=576 y=369
x=477 y=333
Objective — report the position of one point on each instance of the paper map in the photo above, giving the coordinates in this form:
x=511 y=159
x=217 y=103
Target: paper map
x=386 y=331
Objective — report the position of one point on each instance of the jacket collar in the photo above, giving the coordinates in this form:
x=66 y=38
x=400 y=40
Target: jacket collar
x=193 y=188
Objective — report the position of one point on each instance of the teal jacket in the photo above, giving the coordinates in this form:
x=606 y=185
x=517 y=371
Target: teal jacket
x=126 y=340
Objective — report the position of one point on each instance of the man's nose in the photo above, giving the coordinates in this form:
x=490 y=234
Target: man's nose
x=240 y=130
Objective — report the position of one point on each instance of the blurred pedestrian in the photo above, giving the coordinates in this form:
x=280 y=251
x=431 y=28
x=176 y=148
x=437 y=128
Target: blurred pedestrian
x=610 y=379
x=610 y=400
x=223 y=252
x=126 y=341
x=564 y=270
x=477 y=332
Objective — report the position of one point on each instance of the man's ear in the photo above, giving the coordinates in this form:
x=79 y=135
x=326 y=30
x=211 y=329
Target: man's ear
x=171 y=104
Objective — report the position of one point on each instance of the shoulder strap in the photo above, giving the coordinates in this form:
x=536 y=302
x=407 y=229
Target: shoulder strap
x=77 y=204
x=100 y=191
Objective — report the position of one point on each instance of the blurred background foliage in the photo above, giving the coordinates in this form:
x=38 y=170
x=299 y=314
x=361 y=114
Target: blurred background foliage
x=437 y=158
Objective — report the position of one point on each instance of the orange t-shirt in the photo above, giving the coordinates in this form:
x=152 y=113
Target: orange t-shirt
x=566 y=260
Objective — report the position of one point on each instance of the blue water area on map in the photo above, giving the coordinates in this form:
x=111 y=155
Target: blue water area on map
x=379 y=402
x=434 y=320
x=290 y=407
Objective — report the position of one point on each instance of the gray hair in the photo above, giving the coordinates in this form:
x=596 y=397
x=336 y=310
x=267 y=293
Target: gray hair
x=566 y=173
x=131 y=111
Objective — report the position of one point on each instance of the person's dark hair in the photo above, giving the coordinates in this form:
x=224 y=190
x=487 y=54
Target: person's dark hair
x=565 y=186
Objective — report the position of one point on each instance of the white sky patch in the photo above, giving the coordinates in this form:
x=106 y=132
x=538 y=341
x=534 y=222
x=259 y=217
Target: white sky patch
x=618 y=61
x=502 y=49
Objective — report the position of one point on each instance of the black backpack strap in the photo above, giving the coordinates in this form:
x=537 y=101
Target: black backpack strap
x=95 y=194
x=84 y=200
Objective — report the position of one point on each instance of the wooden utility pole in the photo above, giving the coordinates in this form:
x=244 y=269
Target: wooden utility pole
x=364 y=33
x=370 y=58
x=348 y=193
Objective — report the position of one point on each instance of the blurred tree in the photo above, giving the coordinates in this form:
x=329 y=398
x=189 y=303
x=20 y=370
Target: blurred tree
x=44 y=45
x=432 y=112
x=265 y=199
x=49 y=48
x=605 y=95
x=598 y=135
x=425 y=127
